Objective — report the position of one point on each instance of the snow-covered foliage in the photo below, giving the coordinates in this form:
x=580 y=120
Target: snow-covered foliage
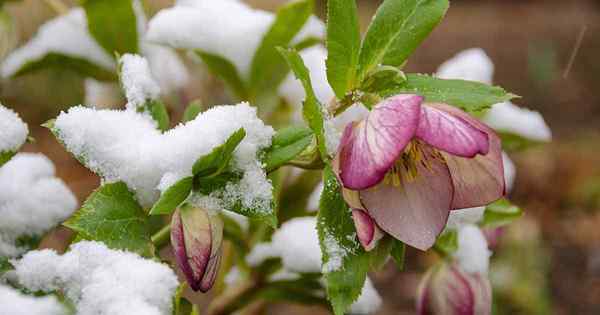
x=137 y=80
x=100 y=280
x=32 y=200
x=472 y=255
x=13 y=302
x=13 y=131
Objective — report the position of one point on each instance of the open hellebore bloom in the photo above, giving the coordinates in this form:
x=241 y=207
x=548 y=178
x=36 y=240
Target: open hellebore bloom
x=448 y=290
x=407 y=164
x=196 y=236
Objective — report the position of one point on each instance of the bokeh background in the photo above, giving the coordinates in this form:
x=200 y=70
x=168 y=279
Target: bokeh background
x=548 y=261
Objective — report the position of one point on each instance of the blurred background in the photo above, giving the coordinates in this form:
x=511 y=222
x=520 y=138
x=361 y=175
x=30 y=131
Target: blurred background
x=549 y=261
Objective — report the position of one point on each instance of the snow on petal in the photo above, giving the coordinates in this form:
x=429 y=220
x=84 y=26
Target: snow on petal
x=508 y=117
x=16 y=303
x=137 y=80
x=126 y=146
x=471 y=64
x=32 y=200
x=13 y=131
x=472 y=255
x=66 y=35
x=369 y=148
x=99 y=280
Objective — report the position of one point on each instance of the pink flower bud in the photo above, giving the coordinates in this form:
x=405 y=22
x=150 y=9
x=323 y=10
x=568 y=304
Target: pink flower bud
x=196 y=236
x=447 y=290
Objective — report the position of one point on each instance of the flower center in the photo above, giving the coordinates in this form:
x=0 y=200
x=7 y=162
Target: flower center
x=417 y=157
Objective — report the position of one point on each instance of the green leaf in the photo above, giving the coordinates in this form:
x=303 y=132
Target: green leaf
x=267 y=215
x=427 y=15
x=159 y=113
x=225 y=70
x=398 y=253
x=112 y=215
x=307 y=43
x=81 y=66
x=468 y=95
x=181 y=306
x=6 y=156
x=512 y=142
x=286 y=145
x=173 y=196
x=345 y=263
x=218 y=159
x=447 y=243
x=499 y=213
x=343 y=45
x=312 y=110
x=383 y=78
x=192 y=111
x=395 y=19
x=268 y=68
x=113 y=24
x=5 y=265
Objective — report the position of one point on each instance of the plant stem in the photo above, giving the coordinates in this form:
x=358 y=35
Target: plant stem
x=58 y=6
x=162 y=237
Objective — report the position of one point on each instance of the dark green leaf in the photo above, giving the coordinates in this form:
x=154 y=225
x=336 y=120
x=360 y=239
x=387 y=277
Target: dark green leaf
x=468 y=95
x=113 y=24
x=79 y=65
x=225 y=70
x=207 y=185
x=447 y=243
x=268 y=68
x=159 y=113
x=307 y=43
x=112 y=215
x=218 y=159
x=266 y=215
x=501 y=212
x=173 y=196
x=398 y=253
x=343 y=45
x=345 y=263
x=6 y=156
x=4 y=265
x=427 y=15
x=286 y=145
x=312 y=110
x=383 y=78
x=192 y=111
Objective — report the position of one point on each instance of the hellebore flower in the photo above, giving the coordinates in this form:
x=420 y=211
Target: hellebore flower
x=407 y=164
x=446 y=289
x=196 y=236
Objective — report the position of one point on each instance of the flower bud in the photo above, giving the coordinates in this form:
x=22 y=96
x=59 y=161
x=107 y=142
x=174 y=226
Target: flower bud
x=448 y=290
x=366 y=229
x=196 y=236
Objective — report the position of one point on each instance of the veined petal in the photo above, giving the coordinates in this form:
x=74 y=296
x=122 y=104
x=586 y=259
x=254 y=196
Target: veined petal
x=450 y=133
x=415 y=211
x=369 y=148
x=367 y=230
x=477 y=181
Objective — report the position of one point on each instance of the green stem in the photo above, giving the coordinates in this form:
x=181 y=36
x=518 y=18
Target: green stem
x=162 y=237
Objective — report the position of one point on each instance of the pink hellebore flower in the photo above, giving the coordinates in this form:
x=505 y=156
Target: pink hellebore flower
x=448 y=290
x=196 y=237
x=407 y=164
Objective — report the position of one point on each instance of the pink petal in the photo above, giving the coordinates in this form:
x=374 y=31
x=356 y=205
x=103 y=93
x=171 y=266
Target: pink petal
x=477 y=181
x=451 y=133
x=416 y=211
x=369 y=148
x=367 y=230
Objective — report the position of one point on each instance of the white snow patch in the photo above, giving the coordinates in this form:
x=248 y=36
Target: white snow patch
x=66 y=35
x=138 y=83
x=13 y=131
x=315 y=197
x=368 y=302
x=335 y=253
x=126 y=146
x=13 y=302
x=510 y=172
x=461 y=217
x=511 y=118
x=100 y=280
x=297 y=243
x=261 y=252
x=471 y=64
x=32 y=200
x=472 y=255
x=167 y=68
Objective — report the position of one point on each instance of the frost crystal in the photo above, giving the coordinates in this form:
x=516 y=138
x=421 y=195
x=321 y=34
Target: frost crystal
x=13 y=302
x=137 y=80
x=508 y=117
x=235 y=29
x=32 y=200
x=100 y=280
x=13 y=131
x=472 y=255
x=126 y=146
x=65 y=35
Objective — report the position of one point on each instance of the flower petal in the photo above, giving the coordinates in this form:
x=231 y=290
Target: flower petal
x=367 y=230
x=477 y=181
x=416 y=211
x=370 y=147
x=451 y=133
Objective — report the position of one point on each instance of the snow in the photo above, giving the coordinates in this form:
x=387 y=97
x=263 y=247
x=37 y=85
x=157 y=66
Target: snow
x=472 y=255
x=315 y=197
x=230 y=29
x=368 y=302
x=510 y=172
x=167 y=68
x=137 y=80
x=298 y=245
x=511 y=118
x=32 y=200
x=126 y=146
x=13 y=131
x=462 y=217
x=100 y=280
x=335 y=253
x=261 y=252
x=66 y=35
x=14 y=302
x=471 y=64
x=102 y=94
